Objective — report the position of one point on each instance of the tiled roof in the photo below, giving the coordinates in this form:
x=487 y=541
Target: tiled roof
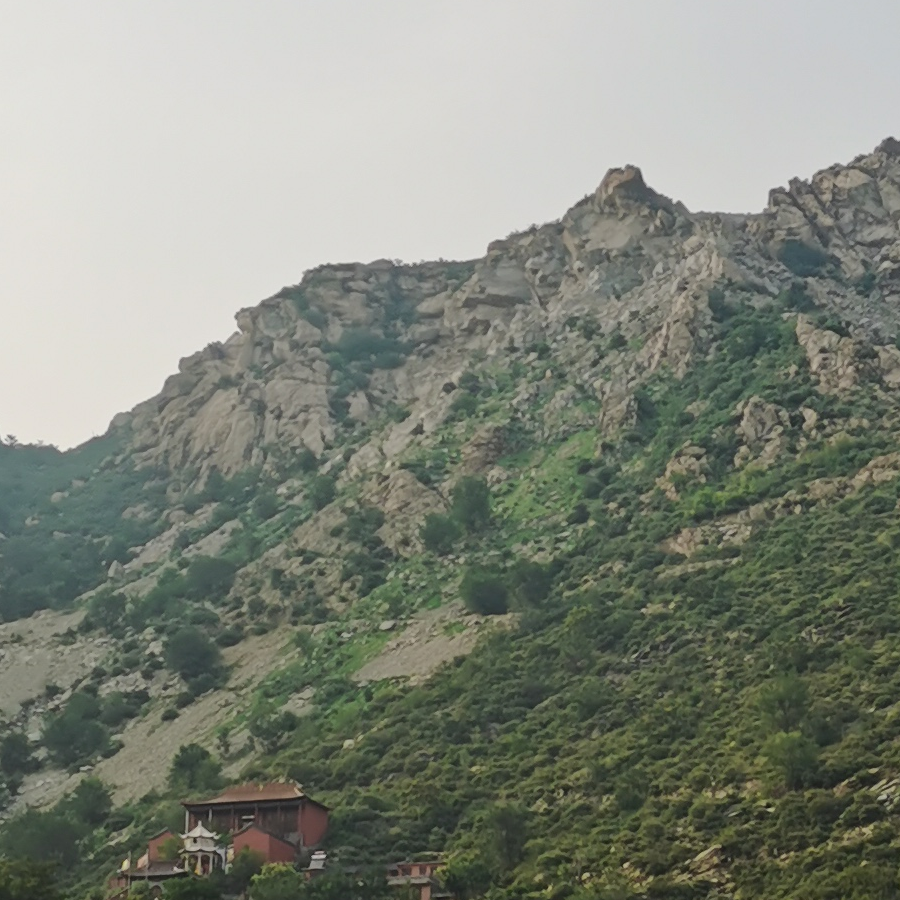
x=254 y=793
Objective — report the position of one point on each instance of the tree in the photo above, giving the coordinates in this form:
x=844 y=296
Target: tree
x=505 y=834
x=530 y=583
x=277 y=881
x=193 y=889
x=74 y=735
x=466 y=876
x=471 y=503
x=483 y=592
x=440 y=533
x=784 y=702
x=15 y=754
x=195 y=769
x=794 y=756
x=321 y=491
x=42 y=836
x=190 y=653
x=22 y=879
x=91 y=802
x=265 y=505
x=247 y=864
x=209 y=577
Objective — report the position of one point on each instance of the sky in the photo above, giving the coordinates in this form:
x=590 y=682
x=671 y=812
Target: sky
x=164 y=163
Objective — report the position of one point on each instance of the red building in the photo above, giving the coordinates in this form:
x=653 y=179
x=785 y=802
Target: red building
x=279 y=810
x=271 y=848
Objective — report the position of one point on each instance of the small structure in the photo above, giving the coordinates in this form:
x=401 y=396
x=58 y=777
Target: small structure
x=280 y=809
x=202 y=851
x=420 y=877
x=151 y=868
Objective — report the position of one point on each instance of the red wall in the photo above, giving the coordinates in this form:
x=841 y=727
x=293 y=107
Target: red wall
x=272 y=849
x=314 y=824
x=154 y=845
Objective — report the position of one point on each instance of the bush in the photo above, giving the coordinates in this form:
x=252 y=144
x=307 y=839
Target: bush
x=91 y=802
x=530 y=583
x=191 y=654
x=15 y=755
x=802 y=259
x=471 y=503
x=440 y=533
x=265 y=505
x=484 y=593
x=195 y=769
x=322 y=491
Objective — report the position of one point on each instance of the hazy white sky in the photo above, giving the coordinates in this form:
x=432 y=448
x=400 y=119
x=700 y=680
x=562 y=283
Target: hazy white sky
x=166 y=162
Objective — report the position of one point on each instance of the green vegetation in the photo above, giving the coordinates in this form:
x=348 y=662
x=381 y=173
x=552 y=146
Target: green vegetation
x=802 y=259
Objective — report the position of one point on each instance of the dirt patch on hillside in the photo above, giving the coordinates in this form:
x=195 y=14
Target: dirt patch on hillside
x=430 y=639
x=33 y=656
x=149 y=744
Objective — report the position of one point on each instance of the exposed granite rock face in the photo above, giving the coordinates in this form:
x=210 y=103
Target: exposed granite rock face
x=625 y=261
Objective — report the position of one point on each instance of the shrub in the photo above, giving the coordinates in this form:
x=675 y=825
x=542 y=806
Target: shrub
x=440 y=533
x=794 y=756
x=484 y=593
x=530 y=583
x=471 y=503
x=265 y=505
x=307 y=461
x=91 y=802
x=322 y=491
x=195 y=769
x=463 y=406
x=191 y=653
x=802 y=259
x=16 y=755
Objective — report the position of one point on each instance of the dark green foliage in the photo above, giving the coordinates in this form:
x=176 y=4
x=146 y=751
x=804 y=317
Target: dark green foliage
x=21 y=879
x=209 y=577
x=306 y=460
x=90 y=802
x=440 y=533
x=16 y=755
x=193 y=888
x=530 y=583
x=194 y=769
x=67 y=548
x=322 y=491
x=75 y=734
x=484 y=592
x=794 y=756
x=44 y=837
x=191 y=653
x=245 y=865
x=265 y=505
x=471 y=503
x=463 y=406
x=505 y=831
x=802 y=259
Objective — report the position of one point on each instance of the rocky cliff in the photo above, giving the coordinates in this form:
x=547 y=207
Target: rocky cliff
x=625 y=261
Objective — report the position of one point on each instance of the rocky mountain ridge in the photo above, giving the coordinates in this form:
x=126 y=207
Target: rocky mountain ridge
x=624 y=259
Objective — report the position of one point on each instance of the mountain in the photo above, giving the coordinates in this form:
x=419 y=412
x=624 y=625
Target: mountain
x=578 y=562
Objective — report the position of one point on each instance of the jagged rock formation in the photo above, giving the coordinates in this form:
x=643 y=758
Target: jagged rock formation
x=625 y=259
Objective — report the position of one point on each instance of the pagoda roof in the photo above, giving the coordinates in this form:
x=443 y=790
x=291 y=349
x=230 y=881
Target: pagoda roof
x=273 y=791
x=198 y=831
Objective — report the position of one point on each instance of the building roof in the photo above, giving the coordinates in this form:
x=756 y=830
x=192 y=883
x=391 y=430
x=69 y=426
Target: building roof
x=198 y=831
x=157 y=869
x=274 y=791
